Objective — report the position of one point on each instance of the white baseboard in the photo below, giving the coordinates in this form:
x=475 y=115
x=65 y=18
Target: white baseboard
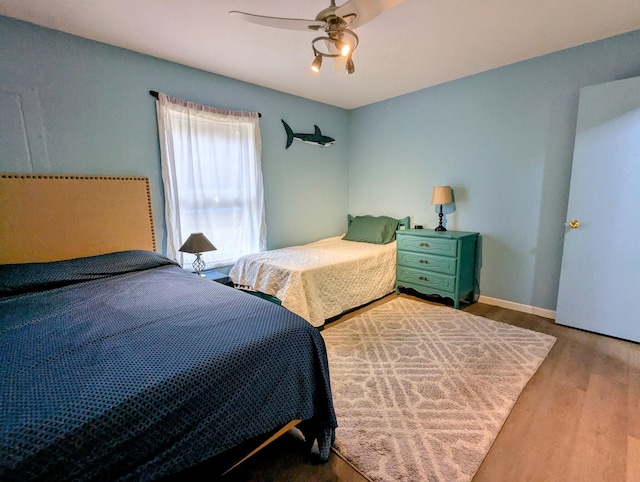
x=533 y=310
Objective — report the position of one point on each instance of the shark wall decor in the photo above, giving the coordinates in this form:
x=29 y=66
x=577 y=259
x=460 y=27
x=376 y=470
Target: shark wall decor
x=316 y=138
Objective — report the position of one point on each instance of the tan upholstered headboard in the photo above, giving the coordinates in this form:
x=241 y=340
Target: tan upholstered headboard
x=49 y=217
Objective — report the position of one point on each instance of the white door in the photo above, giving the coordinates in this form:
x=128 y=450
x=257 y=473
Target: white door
x=600 y=276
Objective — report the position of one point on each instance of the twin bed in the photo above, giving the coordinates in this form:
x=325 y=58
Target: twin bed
x=321 y=280
x=116 y=363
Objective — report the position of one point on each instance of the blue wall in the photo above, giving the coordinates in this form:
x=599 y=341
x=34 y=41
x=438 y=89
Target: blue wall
x=88 y=111
x=503 y=140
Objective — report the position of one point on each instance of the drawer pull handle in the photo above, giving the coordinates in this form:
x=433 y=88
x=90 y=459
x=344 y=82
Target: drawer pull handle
x=424 y=261
x=422 y=278
x=424 y=245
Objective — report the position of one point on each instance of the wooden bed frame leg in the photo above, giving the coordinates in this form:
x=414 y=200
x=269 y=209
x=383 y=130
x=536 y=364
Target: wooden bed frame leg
x=273 y=437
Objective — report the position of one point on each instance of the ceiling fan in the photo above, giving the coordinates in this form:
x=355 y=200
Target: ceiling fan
x=337 y=22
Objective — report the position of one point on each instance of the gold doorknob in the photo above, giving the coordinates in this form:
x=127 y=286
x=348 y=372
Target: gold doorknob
x=574 y=224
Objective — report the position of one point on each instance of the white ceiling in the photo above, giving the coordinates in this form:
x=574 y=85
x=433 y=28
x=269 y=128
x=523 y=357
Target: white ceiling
x=416 y=44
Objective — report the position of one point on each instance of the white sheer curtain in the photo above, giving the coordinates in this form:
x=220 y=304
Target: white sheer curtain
x=212 y=177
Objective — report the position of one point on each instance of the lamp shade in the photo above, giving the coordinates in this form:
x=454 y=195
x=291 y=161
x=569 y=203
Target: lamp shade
x=441 y=195
x=197 y=243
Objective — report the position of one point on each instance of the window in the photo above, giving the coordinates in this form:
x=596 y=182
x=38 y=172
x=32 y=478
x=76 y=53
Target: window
x=212 y=177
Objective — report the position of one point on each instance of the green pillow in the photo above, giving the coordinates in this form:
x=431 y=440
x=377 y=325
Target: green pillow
x=372 y=229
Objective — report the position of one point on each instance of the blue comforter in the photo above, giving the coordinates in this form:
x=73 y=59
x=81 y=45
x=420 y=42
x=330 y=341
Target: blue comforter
x=124 y=366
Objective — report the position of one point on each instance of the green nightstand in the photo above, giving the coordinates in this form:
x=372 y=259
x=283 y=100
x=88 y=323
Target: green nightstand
x=438 y=262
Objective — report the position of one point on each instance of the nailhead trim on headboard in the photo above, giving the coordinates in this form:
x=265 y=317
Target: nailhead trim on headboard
x=93 y=178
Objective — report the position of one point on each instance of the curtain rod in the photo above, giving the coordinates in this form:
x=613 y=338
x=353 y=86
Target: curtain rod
x=154 y=93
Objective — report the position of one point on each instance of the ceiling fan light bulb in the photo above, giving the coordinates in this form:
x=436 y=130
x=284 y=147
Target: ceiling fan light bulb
x=317 y=63
x=345 y=49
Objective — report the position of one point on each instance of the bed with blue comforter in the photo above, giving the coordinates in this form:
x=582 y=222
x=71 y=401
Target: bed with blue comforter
x=125 y=367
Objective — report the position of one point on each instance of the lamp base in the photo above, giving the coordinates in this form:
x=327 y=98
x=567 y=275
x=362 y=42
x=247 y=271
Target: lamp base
x=440 y=216
x=199 y=265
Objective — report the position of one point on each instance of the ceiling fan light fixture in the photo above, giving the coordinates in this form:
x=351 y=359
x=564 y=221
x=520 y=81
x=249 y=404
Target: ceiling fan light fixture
x=350 y=67
x=335 y=45
x=317 y=62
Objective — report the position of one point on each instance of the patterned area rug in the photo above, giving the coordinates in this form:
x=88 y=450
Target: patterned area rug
x=421 y=391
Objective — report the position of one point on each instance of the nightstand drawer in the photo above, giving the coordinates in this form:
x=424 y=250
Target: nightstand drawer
x=428 y=279
x=433 y=245
x=441 y=264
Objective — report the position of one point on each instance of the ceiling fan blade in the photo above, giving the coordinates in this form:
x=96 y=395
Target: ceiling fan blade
x=277 y=22
x=359 y=12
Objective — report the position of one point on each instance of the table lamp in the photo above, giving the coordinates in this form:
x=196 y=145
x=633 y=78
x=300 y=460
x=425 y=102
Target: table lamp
x=197 y=243
x=441 y=195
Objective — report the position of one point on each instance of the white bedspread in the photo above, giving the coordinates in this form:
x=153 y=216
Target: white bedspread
x=322 y=279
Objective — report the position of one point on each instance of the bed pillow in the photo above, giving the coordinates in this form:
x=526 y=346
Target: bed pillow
x=372 y=229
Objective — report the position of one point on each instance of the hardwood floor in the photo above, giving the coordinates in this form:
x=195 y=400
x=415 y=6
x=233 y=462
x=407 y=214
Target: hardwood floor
x=578 y=419
x=579 y=416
